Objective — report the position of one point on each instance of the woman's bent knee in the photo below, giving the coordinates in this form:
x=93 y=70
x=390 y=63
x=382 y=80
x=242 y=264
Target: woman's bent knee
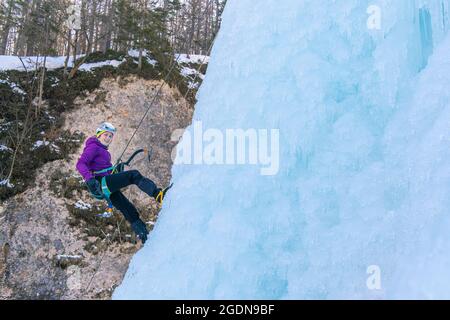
x=135 y=175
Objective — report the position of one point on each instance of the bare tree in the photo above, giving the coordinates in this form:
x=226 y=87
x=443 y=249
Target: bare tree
x=189 y=25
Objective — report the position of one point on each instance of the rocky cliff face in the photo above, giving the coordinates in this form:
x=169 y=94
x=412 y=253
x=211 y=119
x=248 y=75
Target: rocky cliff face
x=54 y=243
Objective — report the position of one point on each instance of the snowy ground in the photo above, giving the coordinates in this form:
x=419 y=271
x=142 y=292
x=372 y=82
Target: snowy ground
x=192 y=75
x=12 y=85
x=191 y=58
x=18 y=63
x=15 y=63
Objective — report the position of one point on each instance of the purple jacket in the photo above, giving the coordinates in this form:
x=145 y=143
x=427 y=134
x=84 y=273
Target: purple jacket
x=95 y=157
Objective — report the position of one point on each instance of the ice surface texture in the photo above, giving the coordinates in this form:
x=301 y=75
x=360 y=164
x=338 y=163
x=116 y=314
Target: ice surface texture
x=364 y=173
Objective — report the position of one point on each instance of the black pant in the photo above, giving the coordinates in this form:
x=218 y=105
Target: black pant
x=117 y=181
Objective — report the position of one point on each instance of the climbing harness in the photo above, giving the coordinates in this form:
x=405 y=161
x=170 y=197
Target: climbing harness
x=118 y=167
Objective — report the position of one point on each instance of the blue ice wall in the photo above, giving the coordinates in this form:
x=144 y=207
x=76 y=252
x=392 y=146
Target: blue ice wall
x=359 y=207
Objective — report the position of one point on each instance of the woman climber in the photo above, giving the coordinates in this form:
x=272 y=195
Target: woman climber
x=94 y=165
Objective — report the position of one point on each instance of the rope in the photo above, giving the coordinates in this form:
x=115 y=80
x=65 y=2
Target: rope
x=148 y=109
x=161 y=86
x=101 y=259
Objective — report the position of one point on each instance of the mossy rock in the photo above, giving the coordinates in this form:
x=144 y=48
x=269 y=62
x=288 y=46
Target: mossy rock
x=113 y=229
x=64 y=261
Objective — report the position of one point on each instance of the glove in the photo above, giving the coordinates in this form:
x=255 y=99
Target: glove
x=94 y=187
x=140 y=229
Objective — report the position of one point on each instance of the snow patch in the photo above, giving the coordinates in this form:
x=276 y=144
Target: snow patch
x=33 y=62
x=68 y=256
x=93 y=65
x=82 y=205
x=4 y=148
x=134 y=53
x=40 y=144
x=191 y=58
x=14 y=87
x=6 y=183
